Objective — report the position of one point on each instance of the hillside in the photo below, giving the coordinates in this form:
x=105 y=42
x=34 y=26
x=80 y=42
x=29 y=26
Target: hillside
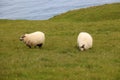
x=59 y=58
x=98 y=13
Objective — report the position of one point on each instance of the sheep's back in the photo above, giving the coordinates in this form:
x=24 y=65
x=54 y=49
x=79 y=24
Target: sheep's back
x=36 y=38
x=84 y=38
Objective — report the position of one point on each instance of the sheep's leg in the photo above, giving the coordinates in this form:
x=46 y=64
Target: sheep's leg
x=39 y=45
x=29 y=46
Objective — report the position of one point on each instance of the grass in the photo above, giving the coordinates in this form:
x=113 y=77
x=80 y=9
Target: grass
x=59 y=58
x=96 y=13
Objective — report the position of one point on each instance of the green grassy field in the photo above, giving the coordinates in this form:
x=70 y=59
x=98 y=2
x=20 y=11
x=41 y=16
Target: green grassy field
x=59 y=58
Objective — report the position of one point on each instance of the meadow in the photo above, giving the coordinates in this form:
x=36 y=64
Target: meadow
x=59 y=58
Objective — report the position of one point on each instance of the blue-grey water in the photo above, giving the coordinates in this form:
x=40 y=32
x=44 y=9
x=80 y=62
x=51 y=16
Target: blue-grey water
x=43 y=9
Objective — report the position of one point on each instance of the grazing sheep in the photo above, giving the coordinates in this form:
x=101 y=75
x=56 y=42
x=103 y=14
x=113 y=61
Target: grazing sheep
x=84 y=41
x=33 y=39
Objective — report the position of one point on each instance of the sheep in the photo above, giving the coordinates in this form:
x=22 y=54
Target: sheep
x=33 y=39
x=84 y=41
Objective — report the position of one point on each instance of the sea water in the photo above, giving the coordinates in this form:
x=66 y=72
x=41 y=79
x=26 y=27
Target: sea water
x=43 y=9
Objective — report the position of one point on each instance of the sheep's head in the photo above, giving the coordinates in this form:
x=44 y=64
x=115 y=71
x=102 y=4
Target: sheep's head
x=22 y=37
x=82 y=48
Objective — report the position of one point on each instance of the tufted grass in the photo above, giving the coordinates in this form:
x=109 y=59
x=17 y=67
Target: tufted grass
x=59 y=58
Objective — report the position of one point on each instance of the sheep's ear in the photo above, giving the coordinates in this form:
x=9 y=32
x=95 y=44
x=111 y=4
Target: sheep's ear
x=83 y=46
x=23 y=36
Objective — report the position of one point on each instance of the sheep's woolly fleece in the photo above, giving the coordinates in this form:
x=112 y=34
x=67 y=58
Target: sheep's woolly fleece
x=33 y=39
x=84 y=41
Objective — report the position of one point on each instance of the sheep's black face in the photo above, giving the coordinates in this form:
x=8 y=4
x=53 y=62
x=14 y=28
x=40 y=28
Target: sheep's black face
x=22 y=38
x=82 y=47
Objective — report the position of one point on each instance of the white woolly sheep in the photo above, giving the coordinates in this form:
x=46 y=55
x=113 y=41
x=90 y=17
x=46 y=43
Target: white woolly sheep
x=33 y=39
x=84 y=41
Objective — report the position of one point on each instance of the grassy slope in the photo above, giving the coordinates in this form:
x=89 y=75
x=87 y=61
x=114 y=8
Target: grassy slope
x=98 y=13
x=59 y=58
